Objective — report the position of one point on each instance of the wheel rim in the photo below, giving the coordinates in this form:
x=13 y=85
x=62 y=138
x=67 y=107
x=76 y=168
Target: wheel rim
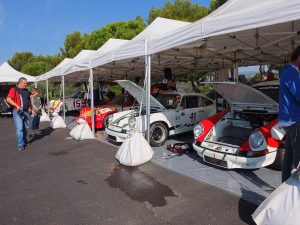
x=158 y=134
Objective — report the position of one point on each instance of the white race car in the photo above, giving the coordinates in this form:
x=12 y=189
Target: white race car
x=248 y=135
x=75 y=102
x=171 y=113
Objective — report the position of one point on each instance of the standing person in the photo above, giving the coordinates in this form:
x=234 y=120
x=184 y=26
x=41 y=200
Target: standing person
x=289 y=113
x=19 y=98
x=36 y=110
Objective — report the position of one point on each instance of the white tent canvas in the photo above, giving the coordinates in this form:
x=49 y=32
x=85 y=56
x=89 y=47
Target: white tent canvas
x=10 y=75
x=136 y=47
x=248 y=32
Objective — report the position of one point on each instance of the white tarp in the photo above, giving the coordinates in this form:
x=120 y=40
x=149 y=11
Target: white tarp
x=233 y=16
x=58 y=122
x=82 y=131
x=136 y=47
x=57 y=71
x=135 y=150
x=10 y=75
x=282 y=206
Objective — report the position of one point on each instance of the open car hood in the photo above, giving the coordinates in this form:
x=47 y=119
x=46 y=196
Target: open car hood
x=138 y=93
x=242 y=97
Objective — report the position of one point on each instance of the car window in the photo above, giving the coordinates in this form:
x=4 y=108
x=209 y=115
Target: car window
x=169 y=101
x=191 y=102
x=206 y=102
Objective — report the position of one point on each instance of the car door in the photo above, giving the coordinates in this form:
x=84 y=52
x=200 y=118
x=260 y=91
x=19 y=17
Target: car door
x=187 y=114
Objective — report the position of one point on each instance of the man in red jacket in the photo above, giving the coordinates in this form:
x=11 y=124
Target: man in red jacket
x=19 y=98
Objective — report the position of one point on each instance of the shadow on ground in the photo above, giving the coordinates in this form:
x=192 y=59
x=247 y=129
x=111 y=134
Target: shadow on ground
x=139 y=186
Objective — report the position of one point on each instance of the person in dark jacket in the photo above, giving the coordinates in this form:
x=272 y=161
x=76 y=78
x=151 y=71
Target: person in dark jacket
x=19 y=98
x=289 y=113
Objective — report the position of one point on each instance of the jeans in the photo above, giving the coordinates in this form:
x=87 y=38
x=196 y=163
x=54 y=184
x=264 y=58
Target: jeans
x=22 y=126
x=35 y=122
x=291 y=157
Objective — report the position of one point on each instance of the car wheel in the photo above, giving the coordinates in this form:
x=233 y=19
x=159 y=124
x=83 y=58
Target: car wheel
x=277 y=164
x=158 y=134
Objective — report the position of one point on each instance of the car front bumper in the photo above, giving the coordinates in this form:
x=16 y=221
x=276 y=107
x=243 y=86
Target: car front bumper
x=115 y=136
x=230 y=161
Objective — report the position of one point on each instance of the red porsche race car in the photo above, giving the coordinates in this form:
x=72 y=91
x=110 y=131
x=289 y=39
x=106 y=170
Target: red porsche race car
x=247 y=135
x=119 y=103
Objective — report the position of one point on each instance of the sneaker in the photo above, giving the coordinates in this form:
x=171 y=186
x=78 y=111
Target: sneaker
x=38 y=132
x=21 y=148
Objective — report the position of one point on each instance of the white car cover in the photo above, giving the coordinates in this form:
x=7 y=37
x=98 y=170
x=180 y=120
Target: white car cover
x=44 y=117
x=82 y=131
x=57 y=122
x=135 y=150
x=282 y=206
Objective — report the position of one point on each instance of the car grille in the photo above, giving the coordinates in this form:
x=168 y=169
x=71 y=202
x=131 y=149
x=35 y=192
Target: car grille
x=216 y=162
x=111 y=138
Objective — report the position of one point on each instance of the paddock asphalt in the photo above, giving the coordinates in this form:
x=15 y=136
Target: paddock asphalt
x=58 y=180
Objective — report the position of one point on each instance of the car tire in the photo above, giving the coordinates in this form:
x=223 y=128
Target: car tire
x=277 y=164
x=159 y=133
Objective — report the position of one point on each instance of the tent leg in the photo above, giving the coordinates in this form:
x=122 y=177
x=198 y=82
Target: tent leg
x=92 y=100
x=63 y=95
x=35 y=84
x=47 y=96
x=235 y=69
x=148 y=94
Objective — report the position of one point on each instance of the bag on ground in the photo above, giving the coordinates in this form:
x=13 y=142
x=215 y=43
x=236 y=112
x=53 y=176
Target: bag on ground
x=282 y=206
x=82 y=131
x=57 y=122
x=44 y=117
x=134 y=151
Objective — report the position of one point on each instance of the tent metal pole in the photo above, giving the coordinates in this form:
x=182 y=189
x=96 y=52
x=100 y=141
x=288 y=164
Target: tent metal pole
x=148 y=88
x=149 y=97
x=47 y=96
x=235 y=69
x=92 y=99
x=63 y=93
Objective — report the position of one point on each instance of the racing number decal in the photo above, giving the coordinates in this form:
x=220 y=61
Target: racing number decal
x=78 y=103
x=193 y=116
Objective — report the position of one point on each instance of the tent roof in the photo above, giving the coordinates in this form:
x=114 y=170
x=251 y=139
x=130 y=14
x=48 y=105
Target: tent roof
x=136 y=47
x=10 y=75
x=248 y=32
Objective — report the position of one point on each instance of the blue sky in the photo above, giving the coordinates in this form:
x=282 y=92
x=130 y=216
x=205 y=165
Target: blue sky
x=40 y=26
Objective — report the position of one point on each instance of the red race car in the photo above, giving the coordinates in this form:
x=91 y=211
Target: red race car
x=247 y=135
x=119 y=103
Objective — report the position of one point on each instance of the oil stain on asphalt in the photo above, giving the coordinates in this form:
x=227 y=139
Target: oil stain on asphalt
x=139 y=186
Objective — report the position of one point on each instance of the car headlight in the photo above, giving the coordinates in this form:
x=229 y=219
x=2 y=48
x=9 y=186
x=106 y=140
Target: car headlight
x=198 y=130
x=110 y=119
x=132 y=122
x=256 y=140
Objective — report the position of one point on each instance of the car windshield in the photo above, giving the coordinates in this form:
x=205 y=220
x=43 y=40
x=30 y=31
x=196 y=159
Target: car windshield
x=169 y=101
x=271 y=91
x=76 y=94
x=119 y=100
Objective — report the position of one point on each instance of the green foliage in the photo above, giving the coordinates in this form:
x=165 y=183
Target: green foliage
x=121 y=30
x=183 y=10
x=214 y=4
x=36 y=68
x=28 y=63
x=20 y=59
x=74 y=43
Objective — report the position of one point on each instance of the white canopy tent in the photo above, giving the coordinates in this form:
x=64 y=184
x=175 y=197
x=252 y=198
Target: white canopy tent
x=10 y=75
x=243 y=32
